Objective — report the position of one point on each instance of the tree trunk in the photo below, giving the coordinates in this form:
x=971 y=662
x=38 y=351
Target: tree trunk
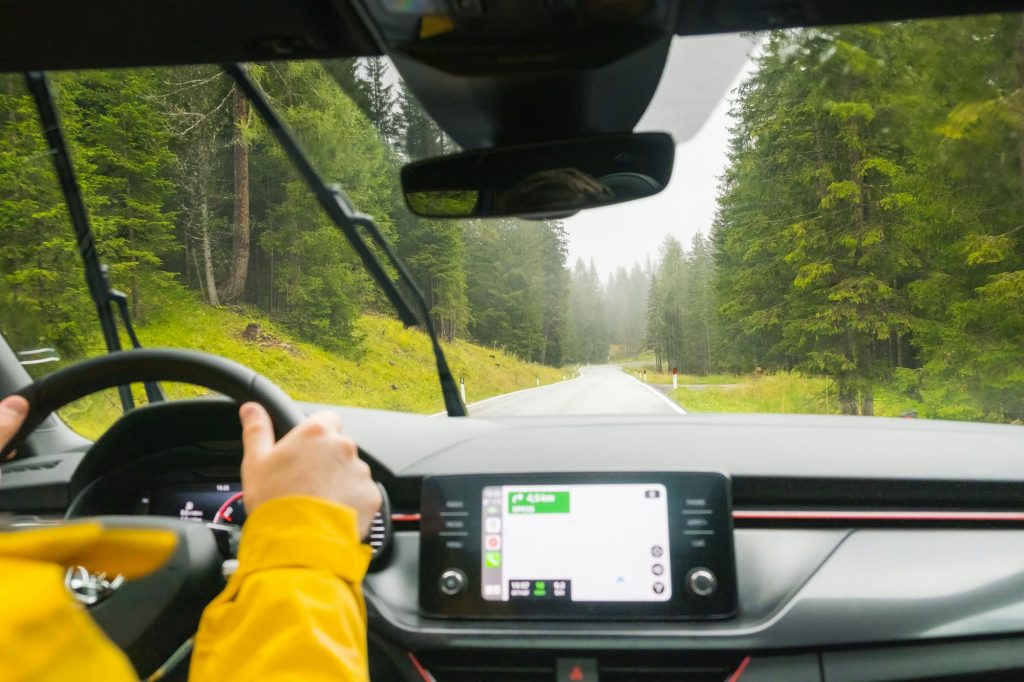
x=847 y=398
x=204 y=231
x=235 y=286
x=134 y=279
x=1018 y=59
x=867 y=402
x=199 y=276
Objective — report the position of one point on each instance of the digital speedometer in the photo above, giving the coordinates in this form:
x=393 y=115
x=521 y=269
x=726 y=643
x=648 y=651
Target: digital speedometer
x=199 y=502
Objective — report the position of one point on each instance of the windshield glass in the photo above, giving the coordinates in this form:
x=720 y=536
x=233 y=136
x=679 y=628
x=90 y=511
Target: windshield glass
x=843 y=234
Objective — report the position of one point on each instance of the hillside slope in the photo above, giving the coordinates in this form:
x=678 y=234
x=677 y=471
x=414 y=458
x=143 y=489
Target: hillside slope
x=393 y=367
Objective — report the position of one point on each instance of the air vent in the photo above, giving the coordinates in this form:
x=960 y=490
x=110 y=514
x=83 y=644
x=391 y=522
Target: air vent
x=381 y=530
x=30 y=466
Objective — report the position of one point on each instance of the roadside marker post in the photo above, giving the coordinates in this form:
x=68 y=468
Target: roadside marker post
x=462 y=387
x=675 y=378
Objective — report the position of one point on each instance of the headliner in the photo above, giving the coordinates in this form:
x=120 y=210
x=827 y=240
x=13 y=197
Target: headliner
x=58 y=34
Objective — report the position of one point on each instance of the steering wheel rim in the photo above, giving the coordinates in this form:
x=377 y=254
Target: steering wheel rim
x=149 y=617
x=54 y=391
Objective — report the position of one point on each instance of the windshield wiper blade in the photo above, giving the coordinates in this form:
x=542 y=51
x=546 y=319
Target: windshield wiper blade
x=96 y=274
x=348 y=220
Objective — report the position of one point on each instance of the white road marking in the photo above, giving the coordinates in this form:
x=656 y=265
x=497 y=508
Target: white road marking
x=671 y=403
x=506 y=395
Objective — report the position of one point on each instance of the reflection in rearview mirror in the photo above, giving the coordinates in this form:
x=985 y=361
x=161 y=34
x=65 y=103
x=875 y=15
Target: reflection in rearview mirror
x=550 y=179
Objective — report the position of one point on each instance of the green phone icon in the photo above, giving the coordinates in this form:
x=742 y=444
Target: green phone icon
x=492 y=559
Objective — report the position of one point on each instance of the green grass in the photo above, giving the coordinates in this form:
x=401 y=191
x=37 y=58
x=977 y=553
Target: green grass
x=784 y=392
x=654 y=377
x=393 y=368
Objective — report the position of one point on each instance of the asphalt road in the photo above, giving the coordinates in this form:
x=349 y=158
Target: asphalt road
x=603 y=389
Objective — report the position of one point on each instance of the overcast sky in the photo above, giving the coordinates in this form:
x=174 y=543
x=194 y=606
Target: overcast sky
x=692 y=103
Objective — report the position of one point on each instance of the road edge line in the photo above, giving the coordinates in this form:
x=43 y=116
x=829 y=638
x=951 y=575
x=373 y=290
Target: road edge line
x=505 y=395
x=671 y=403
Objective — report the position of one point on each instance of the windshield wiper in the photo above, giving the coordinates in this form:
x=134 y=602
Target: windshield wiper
x=97 y=277
x=348 y=220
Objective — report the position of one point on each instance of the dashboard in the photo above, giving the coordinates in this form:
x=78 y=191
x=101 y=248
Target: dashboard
x=833 y=548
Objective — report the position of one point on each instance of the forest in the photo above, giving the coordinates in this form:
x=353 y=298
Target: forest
x=870 y=226
x=870 y=223
x=191 y=200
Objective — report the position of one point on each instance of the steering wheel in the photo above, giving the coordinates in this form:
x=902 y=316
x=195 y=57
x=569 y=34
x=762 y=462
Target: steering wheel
x=149 y=618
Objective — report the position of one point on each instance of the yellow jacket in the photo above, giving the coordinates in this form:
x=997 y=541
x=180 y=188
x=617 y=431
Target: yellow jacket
x=293 y=610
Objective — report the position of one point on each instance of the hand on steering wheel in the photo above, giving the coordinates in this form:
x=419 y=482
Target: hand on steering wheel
x=313 y=459
x=13 y=410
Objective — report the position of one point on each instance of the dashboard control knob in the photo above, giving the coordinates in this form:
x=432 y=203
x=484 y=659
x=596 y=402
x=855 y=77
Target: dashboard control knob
x=452 y=582
x=702 y=582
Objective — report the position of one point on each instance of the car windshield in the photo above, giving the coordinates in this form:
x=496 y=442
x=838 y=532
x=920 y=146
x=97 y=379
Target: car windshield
x=843 y=233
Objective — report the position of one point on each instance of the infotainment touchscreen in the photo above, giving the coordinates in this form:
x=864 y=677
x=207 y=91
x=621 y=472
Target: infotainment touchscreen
x=598 y=543
x=608 y=545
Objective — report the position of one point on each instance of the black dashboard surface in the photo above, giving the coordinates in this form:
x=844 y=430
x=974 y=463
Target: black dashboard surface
x=784 y=446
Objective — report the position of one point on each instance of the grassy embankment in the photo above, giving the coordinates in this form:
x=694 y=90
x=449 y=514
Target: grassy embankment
x=783 y=392
x=392 y=369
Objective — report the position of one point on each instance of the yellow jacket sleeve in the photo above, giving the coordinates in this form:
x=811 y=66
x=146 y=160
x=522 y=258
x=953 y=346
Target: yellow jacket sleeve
x=294 y=609
x=45 y=635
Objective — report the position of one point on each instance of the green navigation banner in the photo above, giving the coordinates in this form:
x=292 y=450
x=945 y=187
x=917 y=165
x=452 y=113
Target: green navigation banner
x=539 y=502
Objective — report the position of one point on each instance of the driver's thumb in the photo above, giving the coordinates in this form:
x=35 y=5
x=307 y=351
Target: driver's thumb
x=257 y=430
x=13 y=409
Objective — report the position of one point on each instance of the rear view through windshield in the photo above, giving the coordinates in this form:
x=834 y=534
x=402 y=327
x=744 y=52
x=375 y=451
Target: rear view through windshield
x=860 y=249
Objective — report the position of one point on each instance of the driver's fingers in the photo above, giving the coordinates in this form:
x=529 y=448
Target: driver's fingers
x=257 y=429
x=323 y=423
x=13 y=409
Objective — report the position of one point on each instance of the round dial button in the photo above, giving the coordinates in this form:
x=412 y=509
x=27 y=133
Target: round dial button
x=702 y=582
x=452 y=582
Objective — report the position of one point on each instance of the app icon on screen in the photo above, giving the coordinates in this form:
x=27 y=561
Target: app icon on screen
x=492 y=525
x=492 y=559
x=492 y=542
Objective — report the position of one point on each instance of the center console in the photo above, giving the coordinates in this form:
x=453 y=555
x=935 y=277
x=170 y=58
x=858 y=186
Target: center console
x=571 y=546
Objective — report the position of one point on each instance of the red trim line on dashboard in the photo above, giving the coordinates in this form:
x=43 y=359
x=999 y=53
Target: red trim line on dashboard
x=735 y=677
x=405 y=518
x=424 y=673
x=862 y=515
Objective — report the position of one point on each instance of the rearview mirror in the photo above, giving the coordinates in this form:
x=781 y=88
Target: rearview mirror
x=549 y=179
